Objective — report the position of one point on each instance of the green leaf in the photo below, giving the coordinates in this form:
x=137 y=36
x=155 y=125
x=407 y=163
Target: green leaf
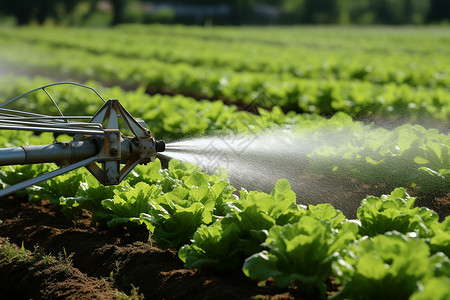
x=197 y=180
x=435 y=288
x=260 y=267
x=326 y=211
x=301 y=253
x=282 y=191
x=394 y=212
x=390 y=266
x=212 y=246
x=133 y=202
x=173 y=220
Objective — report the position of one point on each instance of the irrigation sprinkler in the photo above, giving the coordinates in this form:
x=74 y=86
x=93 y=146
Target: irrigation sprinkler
x=98 y=144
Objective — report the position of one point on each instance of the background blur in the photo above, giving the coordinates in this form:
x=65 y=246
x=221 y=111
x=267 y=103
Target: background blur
x=221 y=12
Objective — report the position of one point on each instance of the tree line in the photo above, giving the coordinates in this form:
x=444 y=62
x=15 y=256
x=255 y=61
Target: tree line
x=240 y=11
x=59 y=11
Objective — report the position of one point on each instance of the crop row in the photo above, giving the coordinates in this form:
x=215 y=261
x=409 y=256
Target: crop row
x=369 y=61
x=318 y=96
x=392 y=251
x=408 y=155
x=168 y=117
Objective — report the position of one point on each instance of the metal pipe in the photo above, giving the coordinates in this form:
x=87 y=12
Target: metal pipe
x=61 y=152
x=49 y=129
x=68 y=152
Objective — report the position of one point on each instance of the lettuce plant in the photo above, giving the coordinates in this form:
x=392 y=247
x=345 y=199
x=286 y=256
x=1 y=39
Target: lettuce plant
x=89 y=196
x=326 y=211
x=12 y=175
x=245 y=227
x=395 y=212
x=390 y=266
x=215 y=187
x=301 y=253
x=193 y=200
x=440 y=240
x=65 y=185
x=127 y=205
x=436 y=289
x=173 y=218
x=213 y=245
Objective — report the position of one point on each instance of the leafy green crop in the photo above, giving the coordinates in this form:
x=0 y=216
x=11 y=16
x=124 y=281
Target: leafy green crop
x=325 y=84
x=435 y=288
x=127 y=205
x=187 y=199
x=12 y=175
x=213 y=245
x=408 y=155
x=174 y=217
x=247 y=50
x=390 y=266
x=326 y=211
x=65 y=185
x=228 y=241
x=395 y=212
x=89 y=196
x=301 y=253
x=245 y=227
x=172 y=203
x=440 y=240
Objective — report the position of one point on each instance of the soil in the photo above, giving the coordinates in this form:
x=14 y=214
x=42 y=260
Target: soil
x=106 y=262
x=442 y=206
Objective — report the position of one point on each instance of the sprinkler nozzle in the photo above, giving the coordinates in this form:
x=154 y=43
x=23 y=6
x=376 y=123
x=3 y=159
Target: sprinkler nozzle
x=160 y=146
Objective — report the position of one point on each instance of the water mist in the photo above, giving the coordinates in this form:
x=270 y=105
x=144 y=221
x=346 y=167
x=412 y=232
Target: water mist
x=257 y=161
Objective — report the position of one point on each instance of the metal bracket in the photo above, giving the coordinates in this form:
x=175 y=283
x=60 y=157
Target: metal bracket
x=142 y=146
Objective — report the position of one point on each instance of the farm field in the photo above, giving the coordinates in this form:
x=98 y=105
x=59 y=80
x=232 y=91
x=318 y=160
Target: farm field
x=370 y=106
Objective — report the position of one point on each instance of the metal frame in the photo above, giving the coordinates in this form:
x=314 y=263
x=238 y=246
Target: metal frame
x=97 y=145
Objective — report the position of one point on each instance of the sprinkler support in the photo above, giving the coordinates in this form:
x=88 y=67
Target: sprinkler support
x=98 y=141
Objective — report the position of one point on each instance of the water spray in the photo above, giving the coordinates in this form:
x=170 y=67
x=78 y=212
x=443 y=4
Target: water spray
x=98 y=144
x=257 y=160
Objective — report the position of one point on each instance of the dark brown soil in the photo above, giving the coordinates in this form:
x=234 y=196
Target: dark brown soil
x=442 y=205
x=38 y=279
x=105 y=262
